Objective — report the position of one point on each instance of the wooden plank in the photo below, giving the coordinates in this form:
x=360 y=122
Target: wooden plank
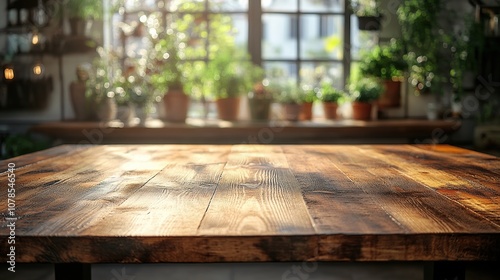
x=257 y=195
x=173 y=202
x=478 y=193
x=484 y=165
x=97 y=197
x=410 y=247
x=414 y=207
x=39 y=156
x=154 y=249
x=64 y=190
x=336 y=203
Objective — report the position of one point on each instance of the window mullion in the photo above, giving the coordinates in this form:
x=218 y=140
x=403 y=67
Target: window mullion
x=254 y=40
x=299 y=34
x=347 y=43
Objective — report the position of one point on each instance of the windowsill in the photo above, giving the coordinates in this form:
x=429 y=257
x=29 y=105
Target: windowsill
x=271 y=132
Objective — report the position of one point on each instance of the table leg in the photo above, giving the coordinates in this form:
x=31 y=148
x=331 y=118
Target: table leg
x=73 y=271
x=445 y=271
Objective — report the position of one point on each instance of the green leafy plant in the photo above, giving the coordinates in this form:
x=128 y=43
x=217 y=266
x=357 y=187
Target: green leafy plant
x=287 y=92
x=365 y=90
x=365 y=7
x=310 y=94
x=99 y=84
x=168 y=71
x=84 y=9
x=421 y=41
x=328 y=93
x=385 y=62
x=463 y=45
x=20 y=144
x=231 y=73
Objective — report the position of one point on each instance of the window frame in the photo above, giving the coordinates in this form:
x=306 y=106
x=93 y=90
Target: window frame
x=255 y=34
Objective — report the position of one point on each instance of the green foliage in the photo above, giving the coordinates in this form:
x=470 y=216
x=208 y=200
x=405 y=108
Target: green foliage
x=365 y=90
x=384 y=62
x=310 y=94
x=462 y=47
x=86 y=9
x=365 y=7
x=287 y=92
x=421 y=38
x=231 y=73
x=99 y=84
x=20 y=144
x=328 y=93
x=168 y=71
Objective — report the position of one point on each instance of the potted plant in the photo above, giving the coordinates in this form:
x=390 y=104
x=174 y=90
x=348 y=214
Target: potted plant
x=330 y=97
x=99 y=92
x=290 y=96
x=368 y=14
x=138 y=83
x=227 y=75
x=310 y=95
x=169 y=78
x=80 y=12
x=259 y=101
x=387 y=64
x=363 y=93
x=125 y=111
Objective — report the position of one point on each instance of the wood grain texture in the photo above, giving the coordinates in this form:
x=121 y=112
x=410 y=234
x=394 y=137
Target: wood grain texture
x=473 y=188
x=262 y=194
x=222 y=203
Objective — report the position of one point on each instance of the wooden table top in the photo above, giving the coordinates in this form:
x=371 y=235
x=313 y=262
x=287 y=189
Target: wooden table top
x=222 y=203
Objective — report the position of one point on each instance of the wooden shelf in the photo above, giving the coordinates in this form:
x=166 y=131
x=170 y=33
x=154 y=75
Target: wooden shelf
x=220 y=132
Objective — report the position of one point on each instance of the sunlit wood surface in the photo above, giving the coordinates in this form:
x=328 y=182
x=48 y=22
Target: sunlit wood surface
x=217 y=203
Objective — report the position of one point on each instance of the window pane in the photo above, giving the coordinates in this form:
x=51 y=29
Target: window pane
x=186 y=5
x=322 y=5
x=314 y=73
x=280 y=71
x=321 y=37
x=228 y=5
x=279 y=5
x=361 y=40
x=279 y=36
x=139 y=4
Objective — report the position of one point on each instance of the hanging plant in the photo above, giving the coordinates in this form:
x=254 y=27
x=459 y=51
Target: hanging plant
x=421 y=35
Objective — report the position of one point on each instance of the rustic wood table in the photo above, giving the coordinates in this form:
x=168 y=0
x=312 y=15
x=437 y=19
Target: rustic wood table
x=252 y=203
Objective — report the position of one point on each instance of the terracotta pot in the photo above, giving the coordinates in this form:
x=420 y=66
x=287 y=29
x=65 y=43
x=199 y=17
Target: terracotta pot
x=228 y=108
x=259 y=108
x=330 y=109
x=306 y=111
x=361 y=111
x=391 y=97
x=176 y=104
x=291 y=112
